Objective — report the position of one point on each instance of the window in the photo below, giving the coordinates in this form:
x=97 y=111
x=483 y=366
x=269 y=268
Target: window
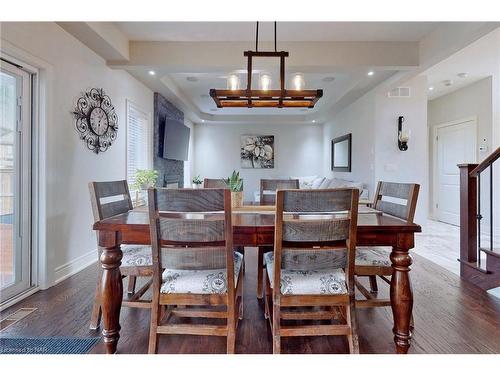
x=139 y=154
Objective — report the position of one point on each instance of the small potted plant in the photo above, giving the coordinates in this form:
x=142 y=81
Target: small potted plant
x=197 y=181
x=144 y=179
x=235 y=184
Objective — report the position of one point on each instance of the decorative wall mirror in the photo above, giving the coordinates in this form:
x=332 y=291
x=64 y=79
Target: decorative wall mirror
x=341 y=153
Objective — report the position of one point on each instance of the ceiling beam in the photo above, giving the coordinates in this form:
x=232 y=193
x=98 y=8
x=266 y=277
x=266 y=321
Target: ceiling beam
x=203 y=57
x=104 y=38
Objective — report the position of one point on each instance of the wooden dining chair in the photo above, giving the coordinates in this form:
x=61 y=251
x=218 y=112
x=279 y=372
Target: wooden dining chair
x=214 y=183
x=395 y=199
x=194 y=264
x=219 y=183
x=268 y=188
x=312 y=265
x=108 y=199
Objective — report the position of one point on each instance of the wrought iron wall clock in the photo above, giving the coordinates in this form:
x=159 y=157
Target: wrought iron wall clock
x=96 y=120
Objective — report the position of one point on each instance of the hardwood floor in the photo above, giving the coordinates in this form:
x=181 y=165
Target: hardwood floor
x=451 y=316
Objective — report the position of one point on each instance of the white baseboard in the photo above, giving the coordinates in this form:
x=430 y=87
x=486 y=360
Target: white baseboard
x=76 y=265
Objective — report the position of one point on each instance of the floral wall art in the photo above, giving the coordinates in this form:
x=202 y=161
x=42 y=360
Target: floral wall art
x=257 y=151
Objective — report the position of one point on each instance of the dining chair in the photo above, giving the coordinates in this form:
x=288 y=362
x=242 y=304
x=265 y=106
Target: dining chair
x=395 y=199
x=268 y=188
x=219 y=183
x=214 y=183
x=108 y=199
x=194 y=264
x=312 y=265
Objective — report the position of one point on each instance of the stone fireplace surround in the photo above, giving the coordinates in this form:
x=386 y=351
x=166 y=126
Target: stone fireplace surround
x=170 y=171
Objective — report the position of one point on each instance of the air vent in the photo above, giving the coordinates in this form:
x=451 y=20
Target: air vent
x=399 y=92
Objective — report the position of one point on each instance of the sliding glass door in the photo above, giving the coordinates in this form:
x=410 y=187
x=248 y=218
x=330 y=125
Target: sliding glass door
x=15 y=181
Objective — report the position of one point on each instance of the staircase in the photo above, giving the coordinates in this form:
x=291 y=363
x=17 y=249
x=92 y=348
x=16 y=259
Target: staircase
x=479 y=260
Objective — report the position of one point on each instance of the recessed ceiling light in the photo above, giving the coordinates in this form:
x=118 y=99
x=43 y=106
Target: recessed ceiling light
x=328 y=79
x=431 y=88
x=202 y=120
x=314 y=121
x=192 y=79
x=152 y=73
x=462 y=75
x=204 y=96
x=371 y=72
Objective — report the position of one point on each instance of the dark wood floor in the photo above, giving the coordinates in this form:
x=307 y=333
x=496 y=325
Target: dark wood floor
x=451 y=316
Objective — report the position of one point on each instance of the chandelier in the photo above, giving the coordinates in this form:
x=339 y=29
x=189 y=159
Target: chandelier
x=233 y=96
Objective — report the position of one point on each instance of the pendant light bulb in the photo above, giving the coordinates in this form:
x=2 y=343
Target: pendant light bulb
x=298 y=82
x=265 y=82
x=233 y=82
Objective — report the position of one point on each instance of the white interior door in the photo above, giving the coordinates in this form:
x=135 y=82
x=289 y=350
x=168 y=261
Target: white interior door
x=456 y=144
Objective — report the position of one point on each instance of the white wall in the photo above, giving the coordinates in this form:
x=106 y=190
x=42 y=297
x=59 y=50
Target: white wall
x=372 y=120
x=298 y=151
x=70 y=242
x=358 y=119
x=412 y=165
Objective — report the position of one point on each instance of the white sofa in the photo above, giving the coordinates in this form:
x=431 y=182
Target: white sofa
x=317 y=182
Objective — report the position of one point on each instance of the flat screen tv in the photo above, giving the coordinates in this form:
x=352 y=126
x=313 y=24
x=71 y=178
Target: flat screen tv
x=175 y=140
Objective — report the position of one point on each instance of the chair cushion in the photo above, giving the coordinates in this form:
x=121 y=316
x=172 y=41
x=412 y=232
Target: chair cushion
x=307 y=282
x=136 y=256
x=373 y=256
x=210 y=281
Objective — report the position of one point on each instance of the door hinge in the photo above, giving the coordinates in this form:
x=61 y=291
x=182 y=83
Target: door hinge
x=19 y=113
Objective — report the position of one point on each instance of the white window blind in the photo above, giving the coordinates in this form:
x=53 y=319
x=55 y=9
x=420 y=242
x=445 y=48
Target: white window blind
x=139 y=141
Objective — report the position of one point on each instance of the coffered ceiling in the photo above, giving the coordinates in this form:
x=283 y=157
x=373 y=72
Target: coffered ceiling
x=184 y=60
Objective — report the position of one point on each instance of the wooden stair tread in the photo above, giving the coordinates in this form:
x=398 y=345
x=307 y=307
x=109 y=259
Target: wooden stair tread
x=495 y=252
x=474 y=266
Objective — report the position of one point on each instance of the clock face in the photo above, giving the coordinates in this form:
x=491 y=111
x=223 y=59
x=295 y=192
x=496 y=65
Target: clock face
x=99 y=121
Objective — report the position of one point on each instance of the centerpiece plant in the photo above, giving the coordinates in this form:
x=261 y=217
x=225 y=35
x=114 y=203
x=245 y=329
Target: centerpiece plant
x=235 y=184
x=144 y=179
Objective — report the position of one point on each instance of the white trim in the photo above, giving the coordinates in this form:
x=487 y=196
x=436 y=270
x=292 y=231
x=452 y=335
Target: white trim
x=44 y=71
x=74 y=266
x=435 y=127
x=19 y=297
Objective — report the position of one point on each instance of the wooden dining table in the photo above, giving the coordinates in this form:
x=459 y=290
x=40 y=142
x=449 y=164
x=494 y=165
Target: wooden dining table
x=253 y=227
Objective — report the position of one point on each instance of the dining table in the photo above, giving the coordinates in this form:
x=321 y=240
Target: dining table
x=253 y=226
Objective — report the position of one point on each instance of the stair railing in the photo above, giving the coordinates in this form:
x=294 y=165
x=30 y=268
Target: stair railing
x=470 y=209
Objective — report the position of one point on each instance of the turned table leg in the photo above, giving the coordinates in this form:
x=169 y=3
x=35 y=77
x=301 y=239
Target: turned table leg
x=401 y=292
x=111 y=289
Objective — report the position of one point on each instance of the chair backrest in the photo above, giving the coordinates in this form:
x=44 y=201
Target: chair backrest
x=397 y=199
x=191 y=229
x=214 y=183
x=316 y=222
x=268 y=189
x=109 y=198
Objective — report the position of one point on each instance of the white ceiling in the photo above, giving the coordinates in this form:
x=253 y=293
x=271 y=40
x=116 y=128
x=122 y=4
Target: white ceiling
x=198 y=90
x=478 y=60
x=286 y=31
x=351 y=81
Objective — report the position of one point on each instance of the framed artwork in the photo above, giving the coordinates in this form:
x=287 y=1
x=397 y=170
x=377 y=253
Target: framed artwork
x=341 y=153
x=257 y=151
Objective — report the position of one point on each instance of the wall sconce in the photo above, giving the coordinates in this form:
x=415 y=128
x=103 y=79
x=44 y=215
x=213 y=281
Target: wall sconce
x=403 y=135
